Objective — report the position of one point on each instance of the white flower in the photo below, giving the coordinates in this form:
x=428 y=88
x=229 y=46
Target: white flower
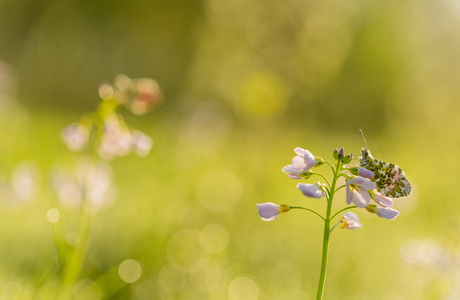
x=75 y=136
x=116 y=140
x=311 y=190
x=382 y=200
x=269 y=211
x=383 y=212
x=24 y=182
x=301 y=163
x=142 y=143
x=350 y=220
x=358 y=191
x=85 y=179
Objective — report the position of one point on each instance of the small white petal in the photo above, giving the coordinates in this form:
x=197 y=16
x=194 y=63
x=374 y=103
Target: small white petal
x=351 y=221
x=299 y=163
x=292 y=172
x=349 y=195
x=351 y=216
x=310 y=190
x=305 y=160
x=268 y=211
x=368 y=185
x=387 y=213
x=382 y=200
x=300 y=151
x=362 y=182
x=361 y=197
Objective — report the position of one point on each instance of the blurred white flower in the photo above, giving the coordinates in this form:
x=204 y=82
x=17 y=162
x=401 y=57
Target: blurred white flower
x=24 y=181
x=311 y=190
x=269 y=211
x=116 y=139
x=137 y=95
x=301 y=163
x=68 y=191
x=85 y=181
x=358 y=191
x=100 y=191
x=350 y=220
x=22 y=187
x=75 y=136
x=142 y=143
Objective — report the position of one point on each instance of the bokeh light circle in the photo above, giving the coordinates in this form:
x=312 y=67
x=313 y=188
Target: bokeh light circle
x=243 y=288
x=130 y=271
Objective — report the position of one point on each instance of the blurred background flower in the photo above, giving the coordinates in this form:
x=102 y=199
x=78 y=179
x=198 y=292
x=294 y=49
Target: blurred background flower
x=245 y=83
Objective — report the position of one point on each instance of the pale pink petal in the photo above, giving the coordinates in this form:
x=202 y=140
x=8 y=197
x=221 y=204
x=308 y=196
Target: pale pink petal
x=310 y=190
x=387 y=213
x=362 y=182
x=368 y=185
x=350 y=221
x=268 y=211
x=382 y=200
x=349 y=195
x=361 y=197
x=292 y=172
x=365 y=173
x=308 y=159
x=300 y=151
x=299 y=163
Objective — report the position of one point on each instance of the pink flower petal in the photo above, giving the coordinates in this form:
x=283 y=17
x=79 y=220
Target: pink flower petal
x=310 y=190
x=382 y=200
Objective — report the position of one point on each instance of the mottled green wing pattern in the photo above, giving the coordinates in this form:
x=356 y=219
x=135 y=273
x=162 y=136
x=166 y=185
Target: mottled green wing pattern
x=389 y=178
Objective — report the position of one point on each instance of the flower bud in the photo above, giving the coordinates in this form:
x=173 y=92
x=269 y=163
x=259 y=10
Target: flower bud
x=319 y=161
x=361 y=172
x=354 y=171
x=284 y=208
x=383 y=212
x=372 y=208
x=307 y=174
x=347 y=158
x=269 y=211
x=340 y=154
x=335 y=153
x=311 y=190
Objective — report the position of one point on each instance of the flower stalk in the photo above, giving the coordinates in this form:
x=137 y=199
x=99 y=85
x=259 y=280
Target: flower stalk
x=360 y=186
x=98 y=137
x=327 y=234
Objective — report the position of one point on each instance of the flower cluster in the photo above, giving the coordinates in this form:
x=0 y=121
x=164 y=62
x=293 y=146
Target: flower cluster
x=137 y=95
x=100 y=136
x=360 y=190
x=105 y=131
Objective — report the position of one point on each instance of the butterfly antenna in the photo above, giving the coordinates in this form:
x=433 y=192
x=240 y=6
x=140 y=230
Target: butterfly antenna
x=362 y=134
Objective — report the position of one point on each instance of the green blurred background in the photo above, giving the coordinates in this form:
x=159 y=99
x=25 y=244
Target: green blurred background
x=245 y=82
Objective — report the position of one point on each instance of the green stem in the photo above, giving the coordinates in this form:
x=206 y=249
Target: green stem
x=74 y=261
x=341 y=187
x=327 y=232
x=334 y=226
x=323 y=178
x=299 y=207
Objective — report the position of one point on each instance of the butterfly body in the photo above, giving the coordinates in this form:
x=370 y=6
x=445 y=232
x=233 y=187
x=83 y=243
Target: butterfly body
x=389 y=178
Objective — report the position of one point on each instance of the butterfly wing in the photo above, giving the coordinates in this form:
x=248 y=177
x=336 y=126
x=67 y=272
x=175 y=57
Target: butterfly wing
x=389 y=178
